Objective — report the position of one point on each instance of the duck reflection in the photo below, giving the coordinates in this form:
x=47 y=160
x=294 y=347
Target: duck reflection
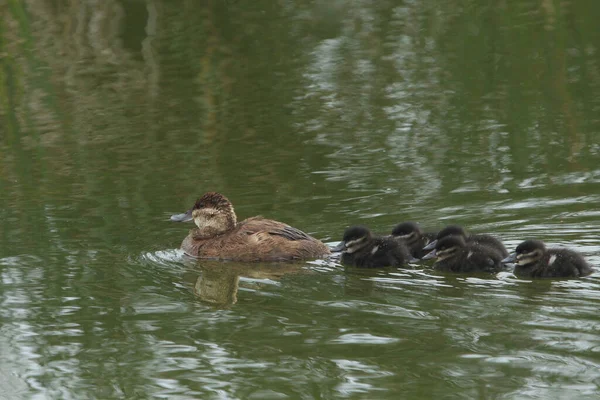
x=218 y=283
x=217 y=287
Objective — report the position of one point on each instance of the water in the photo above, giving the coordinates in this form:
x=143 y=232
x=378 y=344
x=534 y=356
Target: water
x=115 y=115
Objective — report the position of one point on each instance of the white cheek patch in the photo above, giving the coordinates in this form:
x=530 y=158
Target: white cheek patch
x=525 y=260
x=353 y=245
x=469 y=254
x=552 y=259
x=374 y=249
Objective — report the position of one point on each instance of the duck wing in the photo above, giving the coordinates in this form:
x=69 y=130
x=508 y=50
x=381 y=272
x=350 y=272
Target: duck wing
x=566 y=263
x=274 y=228
x=290 y=233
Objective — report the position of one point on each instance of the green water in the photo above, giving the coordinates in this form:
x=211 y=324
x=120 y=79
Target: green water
x=116 y=114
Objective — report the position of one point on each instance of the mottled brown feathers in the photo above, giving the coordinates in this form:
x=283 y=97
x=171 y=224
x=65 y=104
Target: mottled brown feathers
x=213 y=200
x=254 y=239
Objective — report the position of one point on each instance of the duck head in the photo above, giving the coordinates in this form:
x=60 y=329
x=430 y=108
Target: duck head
x=446 y=247
x=450 y=230
x=355 y=238
x=407 y=231
x=212 y=213
x=528 y=252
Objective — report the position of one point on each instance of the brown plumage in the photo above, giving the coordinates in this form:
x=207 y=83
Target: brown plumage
x=220 y=236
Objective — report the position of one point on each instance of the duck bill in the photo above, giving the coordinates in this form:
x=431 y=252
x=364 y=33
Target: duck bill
x=510 y=259
x=430 y=255
x=430 y=246
x=185 y=217
x=340 y=247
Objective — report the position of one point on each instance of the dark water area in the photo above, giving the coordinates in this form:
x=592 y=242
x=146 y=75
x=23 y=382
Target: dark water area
x=116 y=114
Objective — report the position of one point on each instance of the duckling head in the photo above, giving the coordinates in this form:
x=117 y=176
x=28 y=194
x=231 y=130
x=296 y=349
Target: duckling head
x=212 y=213
x=446 y=247
x=450 y=230
x=407 y=231
x=355 y=238
x=528 y=252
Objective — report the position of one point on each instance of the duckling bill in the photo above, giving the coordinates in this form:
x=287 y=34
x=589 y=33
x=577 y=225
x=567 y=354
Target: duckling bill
x=219 y=236
x=361 y=249
x=454 y=254
x=534 y=260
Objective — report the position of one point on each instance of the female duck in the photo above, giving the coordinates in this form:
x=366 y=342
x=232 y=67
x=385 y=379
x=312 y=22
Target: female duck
x=480 y=239
x=361 y=249
x=414 y=238
x=455 y=255
x=534 y=260
x=220 y=236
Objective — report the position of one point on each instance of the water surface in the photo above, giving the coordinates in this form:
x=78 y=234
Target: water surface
x=116 y=114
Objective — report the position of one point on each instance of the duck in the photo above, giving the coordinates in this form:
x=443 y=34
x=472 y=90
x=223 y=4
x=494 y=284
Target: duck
x=360 y=248
x=534 y=260
x=219 y=236
x=414 y=237
x=454 y=254
x=481 y=239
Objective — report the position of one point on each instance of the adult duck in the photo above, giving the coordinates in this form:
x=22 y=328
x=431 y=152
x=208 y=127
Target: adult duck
x=219 y=236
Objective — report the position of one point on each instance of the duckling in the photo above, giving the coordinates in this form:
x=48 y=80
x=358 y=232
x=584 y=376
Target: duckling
x=481 y=239
x=414 y=237
x=454 y=254
x=219 y=235
x=361 y=249
x=534 y=260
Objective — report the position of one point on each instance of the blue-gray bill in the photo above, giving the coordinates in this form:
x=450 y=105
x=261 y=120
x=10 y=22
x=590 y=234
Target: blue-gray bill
x=430 y=246
x=185 y=217
x=429 y=255
x=339 y=247
x=510 y=259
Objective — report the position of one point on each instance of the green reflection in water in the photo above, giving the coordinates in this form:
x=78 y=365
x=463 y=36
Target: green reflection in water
x=116 y=114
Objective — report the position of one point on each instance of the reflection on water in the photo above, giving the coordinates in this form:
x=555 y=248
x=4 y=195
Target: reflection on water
x=218 y=287
x=115 y=114
x=218 y=283
x=348 y=332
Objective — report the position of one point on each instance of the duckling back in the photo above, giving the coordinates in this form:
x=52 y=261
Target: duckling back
x=488 y=241
x=379 y=252
x=478 y=238
x=456 y=255
x=474 y=258
x=558 y=263
x=534 y=260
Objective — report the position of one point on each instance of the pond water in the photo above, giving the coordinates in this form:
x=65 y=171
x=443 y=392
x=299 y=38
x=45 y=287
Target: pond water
x=322 y=114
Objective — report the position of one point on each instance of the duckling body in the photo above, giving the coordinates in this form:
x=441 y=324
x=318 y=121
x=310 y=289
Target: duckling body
x=479 y=239
x=534 y=260
x=361 y=249
x=454 y=254
x=414 y=238
x=219 y=236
